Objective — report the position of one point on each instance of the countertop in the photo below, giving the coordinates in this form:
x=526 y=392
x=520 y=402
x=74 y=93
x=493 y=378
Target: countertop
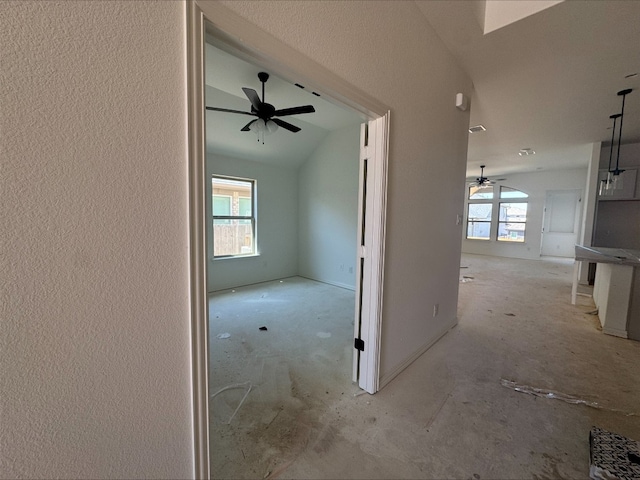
x=620 y=256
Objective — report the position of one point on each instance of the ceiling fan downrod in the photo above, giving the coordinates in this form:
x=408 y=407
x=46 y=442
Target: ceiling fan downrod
x=263 y=77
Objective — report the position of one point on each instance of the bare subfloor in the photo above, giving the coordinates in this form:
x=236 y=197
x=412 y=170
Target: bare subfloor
x=447 y=415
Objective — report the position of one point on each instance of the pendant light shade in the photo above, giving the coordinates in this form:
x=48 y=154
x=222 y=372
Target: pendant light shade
x=261 y=128
x=606 y=185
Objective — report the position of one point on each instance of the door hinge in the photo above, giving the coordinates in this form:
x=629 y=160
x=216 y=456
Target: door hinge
x=359 y=344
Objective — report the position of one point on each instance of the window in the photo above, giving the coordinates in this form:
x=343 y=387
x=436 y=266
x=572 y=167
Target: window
x=222 y=207
x=481 y=193
x=511 y=216
x=511 y=222
x=506 y=192
x=234 y=219
x=479 y=221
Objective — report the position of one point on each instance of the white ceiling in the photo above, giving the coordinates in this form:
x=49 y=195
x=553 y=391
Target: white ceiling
x=547 y=82
x=225 y=75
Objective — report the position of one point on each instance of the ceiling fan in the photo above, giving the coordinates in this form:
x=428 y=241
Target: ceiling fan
x=267 y=121
x=481 y=181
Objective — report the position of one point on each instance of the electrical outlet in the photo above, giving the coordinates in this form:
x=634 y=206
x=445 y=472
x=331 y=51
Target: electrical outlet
x=458 y=219
x=436 y=308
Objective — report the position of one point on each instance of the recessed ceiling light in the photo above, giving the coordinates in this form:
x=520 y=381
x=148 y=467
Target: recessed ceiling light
x=526 y=151
x=477 y=128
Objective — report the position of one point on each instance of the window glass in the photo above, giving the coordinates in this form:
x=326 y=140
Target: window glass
x=233 y=216
x=513 y=212
x=479 y=221
x=244 y=204
x=481 y=193
x=507 y=192
x=221 y=205
x=478 y=230
x=512 y=219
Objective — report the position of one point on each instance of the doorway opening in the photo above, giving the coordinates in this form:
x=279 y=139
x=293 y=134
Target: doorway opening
x=367 y=257
x=282 y=263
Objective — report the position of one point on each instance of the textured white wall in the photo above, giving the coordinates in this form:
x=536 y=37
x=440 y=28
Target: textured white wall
x=536 y=186
x=389 y=50
x=328 y=209
x=277 y=225
x=95 y=349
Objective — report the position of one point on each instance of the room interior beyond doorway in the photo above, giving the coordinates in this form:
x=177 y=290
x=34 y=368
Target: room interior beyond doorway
x=279 y=350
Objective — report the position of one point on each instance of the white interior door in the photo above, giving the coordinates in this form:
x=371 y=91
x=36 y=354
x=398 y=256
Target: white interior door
x=561 y=222
x=369 y=280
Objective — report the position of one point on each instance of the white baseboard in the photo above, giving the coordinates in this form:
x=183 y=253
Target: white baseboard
x=615 y=332
x=335 y=284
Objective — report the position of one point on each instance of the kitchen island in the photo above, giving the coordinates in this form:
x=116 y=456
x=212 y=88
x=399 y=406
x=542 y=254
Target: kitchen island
x=616 y=291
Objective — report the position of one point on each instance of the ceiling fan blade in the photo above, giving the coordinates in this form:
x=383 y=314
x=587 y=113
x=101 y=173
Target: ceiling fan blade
x=285 y=125
x=216 y=109
x=253 y=97
x=294 y=110
x=246 y=128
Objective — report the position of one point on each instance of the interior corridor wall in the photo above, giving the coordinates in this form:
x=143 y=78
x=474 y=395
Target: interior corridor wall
x=277 y=225
x=536 y=185
x=328 y=209
x=95 y=352
x=388 y=50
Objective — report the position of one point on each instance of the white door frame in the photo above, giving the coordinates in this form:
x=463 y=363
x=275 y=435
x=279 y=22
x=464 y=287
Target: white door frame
x=374 y=142
x=205 y=17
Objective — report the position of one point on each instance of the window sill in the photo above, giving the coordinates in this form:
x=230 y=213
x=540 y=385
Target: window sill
x=502 y=242
x=234 y=257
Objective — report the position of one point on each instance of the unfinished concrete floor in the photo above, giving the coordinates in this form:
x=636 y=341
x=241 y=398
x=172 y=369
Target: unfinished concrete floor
x=447 y=415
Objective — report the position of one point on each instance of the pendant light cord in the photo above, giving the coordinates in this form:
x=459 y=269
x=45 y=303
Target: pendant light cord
x=624 y=94
x=613 y=138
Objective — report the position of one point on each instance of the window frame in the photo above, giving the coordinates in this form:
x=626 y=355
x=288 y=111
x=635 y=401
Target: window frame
x=484 y=201
x=512 y=222
x=499 y=197
x=240 y=218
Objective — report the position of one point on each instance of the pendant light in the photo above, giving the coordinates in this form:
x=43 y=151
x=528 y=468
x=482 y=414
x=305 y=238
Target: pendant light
x=606 y=186
x=616 y=178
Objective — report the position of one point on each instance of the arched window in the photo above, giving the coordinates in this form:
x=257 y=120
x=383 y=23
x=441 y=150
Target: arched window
x=505 y=214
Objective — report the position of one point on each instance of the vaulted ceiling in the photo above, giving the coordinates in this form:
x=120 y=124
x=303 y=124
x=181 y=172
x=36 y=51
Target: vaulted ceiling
x=225 y=75
x=548 y=81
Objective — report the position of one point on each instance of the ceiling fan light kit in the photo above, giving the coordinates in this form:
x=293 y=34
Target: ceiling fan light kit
x=267 y=121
